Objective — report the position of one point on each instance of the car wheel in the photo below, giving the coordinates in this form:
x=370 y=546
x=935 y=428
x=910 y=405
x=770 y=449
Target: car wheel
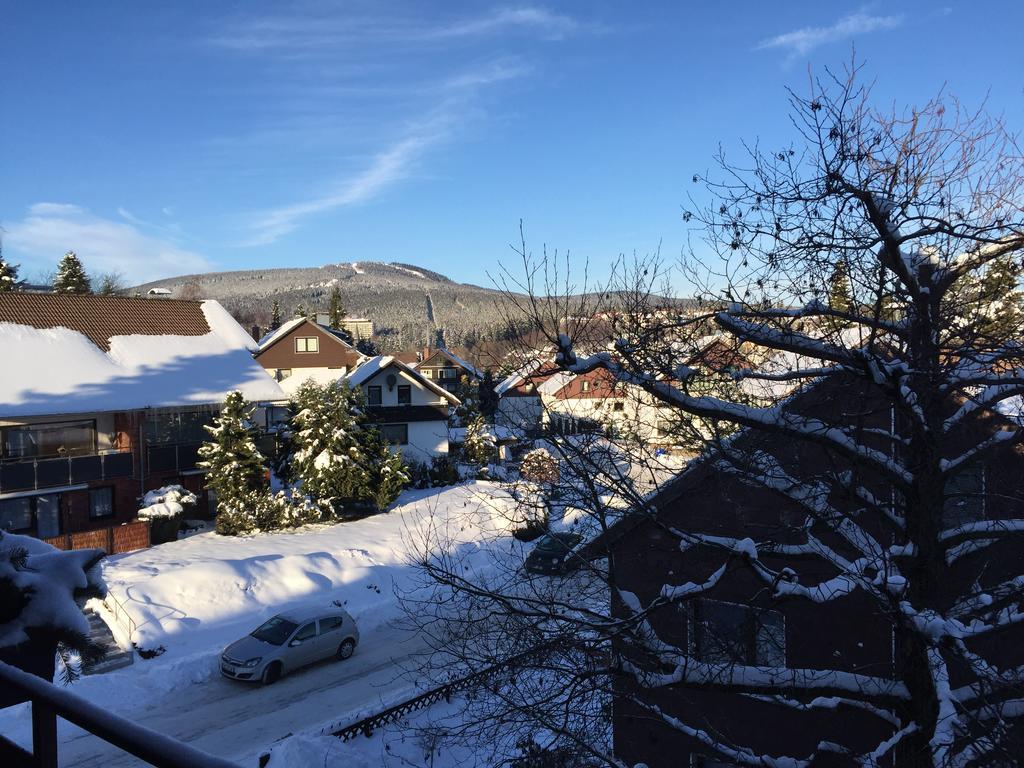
x=272 y=673
x=346 y=649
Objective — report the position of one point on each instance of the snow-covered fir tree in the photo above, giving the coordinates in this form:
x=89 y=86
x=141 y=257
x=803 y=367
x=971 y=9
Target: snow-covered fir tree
x=839 y=578
x=386 y=472
x=275 y=315
x=8 y=275
x=234 y=465
x=479 y=446
x=71 y=276
x=327 y=459
x=40 y=619
x=300 y=311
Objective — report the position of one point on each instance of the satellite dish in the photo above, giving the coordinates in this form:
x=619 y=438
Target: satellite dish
x=391 y=380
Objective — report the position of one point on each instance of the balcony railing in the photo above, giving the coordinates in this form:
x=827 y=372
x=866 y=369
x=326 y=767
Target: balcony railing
x=50 y=702
x=36 y=474
x=177 y=457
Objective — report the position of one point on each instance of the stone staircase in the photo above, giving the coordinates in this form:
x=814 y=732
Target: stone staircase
x=116 y=657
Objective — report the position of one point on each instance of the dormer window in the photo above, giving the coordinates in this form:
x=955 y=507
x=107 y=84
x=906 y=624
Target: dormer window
x=305 y=344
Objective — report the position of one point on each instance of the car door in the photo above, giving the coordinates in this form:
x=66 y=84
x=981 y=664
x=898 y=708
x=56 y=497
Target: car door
x=330 y=635
x=302 y=647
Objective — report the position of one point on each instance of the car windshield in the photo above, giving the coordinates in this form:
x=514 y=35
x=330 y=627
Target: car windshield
x=558 y=543
x=275 y=631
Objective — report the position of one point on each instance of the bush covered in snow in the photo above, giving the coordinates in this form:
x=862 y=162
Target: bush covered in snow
x=261 y=510
x=169 y=501
x=539 y=466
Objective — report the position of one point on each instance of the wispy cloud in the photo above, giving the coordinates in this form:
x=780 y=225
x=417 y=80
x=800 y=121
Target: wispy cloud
x=802 y=41
x=104 y=245
x=305 y=34
x=384 y=169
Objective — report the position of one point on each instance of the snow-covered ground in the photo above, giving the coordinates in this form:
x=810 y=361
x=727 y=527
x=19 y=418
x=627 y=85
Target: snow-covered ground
x=194 y=596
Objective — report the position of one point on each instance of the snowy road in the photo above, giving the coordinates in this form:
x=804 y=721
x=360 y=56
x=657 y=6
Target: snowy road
x=239 y=721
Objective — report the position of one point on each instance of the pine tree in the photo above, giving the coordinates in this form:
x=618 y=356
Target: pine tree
x=327 y=455
x=234 y=465
x=71 y=276
x=839 y=295
x=337 y=312
x=487 y=396
x=8 y=275
x=386 y=472
x=275 y=315
x=478 y=447
x=1001 y=299
x=300 y=311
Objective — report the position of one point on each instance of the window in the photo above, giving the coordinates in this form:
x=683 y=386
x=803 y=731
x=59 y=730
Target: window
x=306 y=631
x=965 y=497
x=330 y=624
x=101 y=502
x=283 y=373
x=731 y=633
x=586 y=386
x=178 y=427
x=395 y=434
x=373 y=396
x=446 y=373
x=618 y=406
x=16 y=514
x=427 y=373
x=71 y=438
x=404 y=394
x=39 y=512
x=307 y=344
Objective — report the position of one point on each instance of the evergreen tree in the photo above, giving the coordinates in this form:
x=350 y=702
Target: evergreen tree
x=275 y=315
x=300 y=311
x=8 y=275
x=234 y=466
x=386 y=472
x=479 y=446
x=1001 y=299
x=327 y=455
x=337 y=312
x=487 y=396
x=840 y=297
x=368 y=347
x=71 y=277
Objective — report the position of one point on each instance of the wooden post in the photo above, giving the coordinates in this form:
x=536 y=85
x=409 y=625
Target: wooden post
x=44 y=735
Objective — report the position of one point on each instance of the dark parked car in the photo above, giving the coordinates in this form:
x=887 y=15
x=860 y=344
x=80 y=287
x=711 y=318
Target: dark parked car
x=289 y=641
x=553 y=554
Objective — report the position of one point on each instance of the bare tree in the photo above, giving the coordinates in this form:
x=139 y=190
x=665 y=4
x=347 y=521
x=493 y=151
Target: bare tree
x=891 y=466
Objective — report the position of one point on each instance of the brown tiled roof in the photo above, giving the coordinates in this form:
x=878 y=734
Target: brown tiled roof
x=100 y=317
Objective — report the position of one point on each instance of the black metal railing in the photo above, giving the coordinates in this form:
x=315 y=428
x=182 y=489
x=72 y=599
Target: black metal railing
x=36 y=474
x=177 y=457
x=50 y=702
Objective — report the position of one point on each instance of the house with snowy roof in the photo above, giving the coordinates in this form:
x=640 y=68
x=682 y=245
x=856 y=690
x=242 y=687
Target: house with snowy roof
x=410 y=410
x=447 y=370
x=106 y=397
x=303 y=349
x=519 y=402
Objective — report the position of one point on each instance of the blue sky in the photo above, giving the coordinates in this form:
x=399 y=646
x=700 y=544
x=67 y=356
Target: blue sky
x=161 y=139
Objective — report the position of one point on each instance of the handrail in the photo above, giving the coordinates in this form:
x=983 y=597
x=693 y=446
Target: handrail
x=117 y=609
x=50 y=702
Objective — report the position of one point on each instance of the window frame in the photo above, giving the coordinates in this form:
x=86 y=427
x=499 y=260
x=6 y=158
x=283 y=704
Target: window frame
x=306 y=340
x=751 y=623
x=405 y=430
x=408 y=394
x=374 y=390
x=47 y=426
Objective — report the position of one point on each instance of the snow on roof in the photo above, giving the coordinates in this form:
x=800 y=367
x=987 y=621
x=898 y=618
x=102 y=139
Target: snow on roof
x=61 y=371
x=555 y=383
x=280 y=331
x=517 y=377
x=375 y=365
x=460 y=362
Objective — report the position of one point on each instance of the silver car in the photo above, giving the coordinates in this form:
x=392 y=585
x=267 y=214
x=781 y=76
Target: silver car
x=288 y=641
